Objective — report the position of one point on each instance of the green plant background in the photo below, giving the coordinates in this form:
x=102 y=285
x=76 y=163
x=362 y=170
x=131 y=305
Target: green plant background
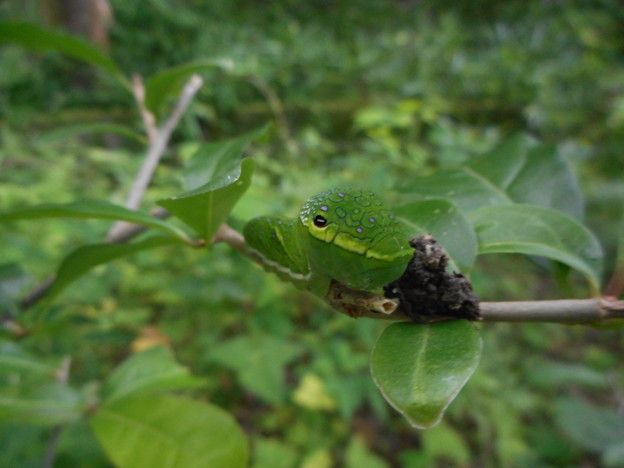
x=376 y=94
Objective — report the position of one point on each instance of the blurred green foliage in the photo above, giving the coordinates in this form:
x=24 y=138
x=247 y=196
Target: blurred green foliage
x=373 y=93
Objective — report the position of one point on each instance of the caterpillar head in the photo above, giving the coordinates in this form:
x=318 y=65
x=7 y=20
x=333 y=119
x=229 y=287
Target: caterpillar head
x=353 y=238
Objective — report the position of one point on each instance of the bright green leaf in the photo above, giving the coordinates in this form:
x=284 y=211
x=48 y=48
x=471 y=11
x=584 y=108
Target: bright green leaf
x=93 y=209
x=443 y=220
x=421 y=368
x=207 y=207
x=167 y=83
x=359 y=456
x=71 y=131
x=45 y=405
x=35 y=38
x=165 y=431
x=258 y=362
x=84 y=258
x=152 y=370
x=535 y=230
x=270 y=453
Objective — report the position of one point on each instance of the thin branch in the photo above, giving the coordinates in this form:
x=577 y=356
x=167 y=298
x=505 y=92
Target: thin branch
x=355 y=303
x=157 y=148
x=149 y=121
x=122 y=232
x=62 y=377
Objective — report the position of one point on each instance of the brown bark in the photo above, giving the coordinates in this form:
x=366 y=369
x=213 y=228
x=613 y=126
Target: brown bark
x=87 y=18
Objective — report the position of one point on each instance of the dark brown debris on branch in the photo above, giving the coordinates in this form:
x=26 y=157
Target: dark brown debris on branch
x=427 y=292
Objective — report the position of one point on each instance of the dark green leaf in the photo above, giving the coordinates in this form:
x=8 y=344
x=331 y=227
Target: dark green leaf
x=14 y=358
x=513 y=172
x=90 y=128
x=164 y=431
x=33 y=37
x=589 y=426
x=167 y=83
x=152 y=370
x=466 y=188
x=259 y=363
x=94 y=209
x=614 y=456
x=12 y=281
x=551 y=374
x=83 y=259
x=546 y=179
x=47 y=405
x=207 y=207
x=443 y=220
x=535 y=230
x=421 y=368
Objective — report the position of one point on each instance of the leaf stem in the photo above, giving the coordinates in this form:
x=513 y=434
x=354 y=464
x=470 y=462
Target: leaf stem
x=157 y=147
x=123 y=231
x=355 y=303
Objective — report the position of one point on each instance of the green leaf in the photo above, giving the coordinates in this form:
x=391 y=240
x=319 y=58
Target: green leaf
x=46 y=405
x=270 y=453
x=207 y=207
x=152 y=370
x=258 y=362
x=551 y=375
x=589 y=426
x=443 y=220
x=535 y=230
x=167 y=83
x=165 y=431
x=71 y=131
x=84 y=258
x=513 y=172
x=215 y=161
x=14 y=358
x=546 y=179
x=35 y=38
x=421 y=368
x=359 y=456
x=94 y=209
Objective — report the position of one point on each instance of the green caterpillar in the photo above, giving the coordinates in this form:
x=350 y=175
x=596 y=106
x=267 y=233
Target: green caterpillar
x=346 y=235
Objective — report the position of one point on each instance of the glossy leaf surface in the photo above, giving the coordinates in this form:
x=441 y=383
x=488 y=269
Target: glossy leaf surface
x=205 y=208
x=421 y=368
x=535 y=230
x=443 y=220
